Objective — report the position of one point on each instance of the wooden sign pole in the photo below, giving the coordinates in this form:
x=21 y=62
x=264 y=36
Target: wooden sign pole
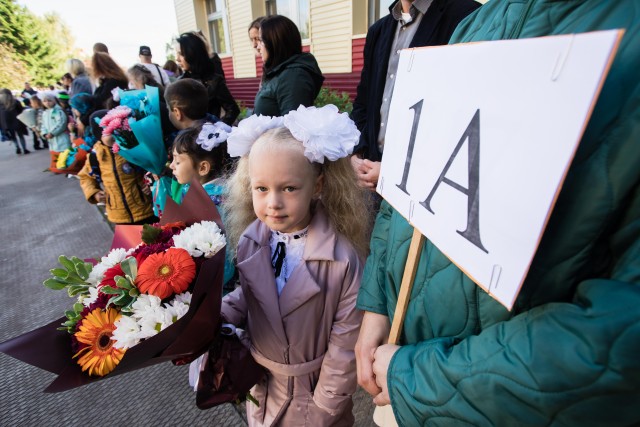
x=383 y=415
x=415 y=249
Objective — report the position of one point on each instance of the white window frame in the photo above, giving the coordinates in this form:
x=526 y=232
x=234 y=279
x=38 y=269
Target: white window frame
x=378 y=9
x=294 y=11
x=219 y=15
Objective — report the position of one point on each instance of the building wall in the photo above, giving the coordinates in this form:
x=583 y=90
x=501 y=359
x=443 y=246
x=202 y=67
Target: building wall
x=331 y=31
x=240 y=17
x=336 y=40
x=185 y=15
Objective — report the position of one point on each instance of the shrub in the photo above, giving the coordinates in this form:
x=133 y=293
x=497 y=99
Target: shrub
x=340 y=100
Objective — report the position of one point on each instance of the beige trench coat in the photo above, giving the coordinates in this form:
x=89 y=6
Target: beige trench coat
x=305 y=337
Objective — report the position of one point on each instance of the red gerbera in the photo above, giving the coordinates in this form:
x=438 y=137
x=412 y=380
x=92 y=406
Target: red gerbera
x=174 y=226
x=167 y=273
x=110 y=274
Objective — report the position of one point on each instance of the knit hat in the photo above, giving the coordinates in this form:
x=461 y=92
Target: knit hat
x=63 y=95
x=83 y=102
x=145 y=50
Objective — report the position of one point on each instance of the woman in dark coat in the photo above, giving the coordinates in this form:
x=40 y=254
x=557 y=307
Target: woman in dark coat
x=11 y=127
x=193 y=58
x=109 y=75
x=291 y=77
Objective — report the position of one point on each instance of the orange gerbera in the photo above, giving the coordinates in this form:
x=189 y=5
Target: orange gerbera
x=96 y=329
x=166 y=273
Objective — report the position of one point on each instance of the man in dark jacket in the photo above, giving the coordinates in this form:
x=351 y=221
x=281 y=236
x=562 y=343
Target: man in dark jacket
x=410 y=23
x=567 y=353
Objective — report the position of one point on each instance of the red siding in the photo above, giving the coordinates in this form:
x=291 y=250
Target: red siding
x=244 y=90
x=357 y=54
x=227 y=66
x=259 y=64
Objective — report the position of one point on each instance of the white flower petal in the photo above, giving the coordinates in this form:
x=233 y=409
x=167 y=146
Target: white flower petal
x=201 y=239
x=127 y=332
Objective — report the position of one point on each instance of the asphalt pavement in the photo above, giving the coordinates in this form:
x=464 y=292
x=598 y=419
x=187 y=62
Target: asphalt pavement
x=44 y=215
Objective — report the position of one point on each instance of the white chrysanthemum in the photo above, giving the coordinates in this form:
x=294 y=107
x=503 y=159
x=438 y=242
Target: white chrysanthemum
x=242 y=137
x=145 y=304
x=114 y=257
x=184 y=298
x=88 y=300
x=201 y=239
x=153 y=322
x=177 y=309
x=127 y=332
x=324 y=132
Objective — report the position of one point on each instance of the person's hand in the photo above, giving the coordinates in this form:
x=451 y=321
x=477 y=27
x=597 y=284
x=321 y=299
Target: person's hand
x=370 y=177
x=361 y=170
x=99 y=197
x=108 y=140
x=374 y=332
x=146 y=190
x=382 y=358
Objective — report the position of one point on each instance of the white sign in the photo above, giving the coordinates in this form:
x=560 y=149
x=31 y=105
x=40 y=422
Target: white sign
x=478 y=142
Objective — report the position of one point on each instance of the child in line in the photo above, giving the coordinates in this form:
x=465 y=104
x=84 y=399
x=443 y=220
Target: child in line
x=123 y=193
x=187 y=102
x=36 y=103
x=199 y=152
x=299 y=261
x=54 y=129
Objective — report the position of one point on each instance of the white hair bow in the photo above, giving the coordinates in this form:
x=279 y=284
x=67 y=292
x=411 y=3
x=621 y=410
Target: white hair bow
x=212 y=135
x=324 y=132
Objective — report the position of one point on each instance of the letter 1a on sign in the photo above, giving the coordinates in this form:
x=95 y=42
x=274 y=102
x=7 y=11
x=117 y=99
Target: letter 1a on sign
x=472 y=233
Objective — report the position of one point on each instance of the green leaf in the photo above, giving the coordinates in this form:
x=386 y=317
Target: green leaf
x=54 y=284
x=59 y=272
x=77 y=289
x=88 y=268
x=150 y=234
x=130 y=267
x=70 y=314
x=110 y=291
x=82 y=271
x=78 y=307
x=134 y=292
x=66 y=263
x=119 y=300
x=122 y=282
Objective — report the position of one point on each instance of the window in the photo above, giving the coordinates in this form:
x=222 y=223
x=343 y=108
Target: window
x=218 y=30
x=378 y=9
x=296 y=10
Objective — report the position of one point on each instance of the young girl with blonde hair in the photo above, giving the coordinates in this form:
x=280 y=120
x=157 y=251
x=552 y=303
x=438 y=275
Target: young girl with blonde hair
x=295 y=213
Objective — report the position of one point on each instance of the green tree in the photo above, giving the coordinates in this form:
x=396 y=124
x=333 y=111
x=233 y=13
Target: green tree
x=13 y=72
x=41 y=45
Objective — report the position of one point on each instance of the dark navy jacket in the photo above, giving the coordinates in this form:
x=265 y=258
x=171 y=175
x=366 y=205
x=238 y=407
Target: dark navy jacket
x=434 y=29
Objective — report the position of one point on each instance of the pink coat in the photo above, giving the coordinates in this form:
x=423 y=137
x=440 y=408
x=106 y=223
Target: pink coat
x=305 y=337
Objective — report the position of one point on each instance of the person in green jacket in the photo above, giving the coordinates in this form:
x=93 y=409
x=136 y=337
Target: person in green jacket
x=569 y=351
x=290 y=77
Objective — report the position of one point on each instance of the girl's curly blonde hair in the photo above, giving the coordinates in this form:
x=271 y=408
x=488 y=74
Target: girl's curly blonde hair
x=346 y=204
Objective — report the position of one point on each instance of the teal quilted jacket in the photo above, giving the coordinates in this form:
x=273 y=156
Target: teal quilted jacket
x=569 y=352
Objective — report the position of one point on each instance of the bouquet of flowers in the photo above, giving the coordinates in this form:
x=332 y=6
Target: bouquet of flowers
x=116 y=123
x=136 y=127
x=28 y=117
x=72 y=159
x=140 y=305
